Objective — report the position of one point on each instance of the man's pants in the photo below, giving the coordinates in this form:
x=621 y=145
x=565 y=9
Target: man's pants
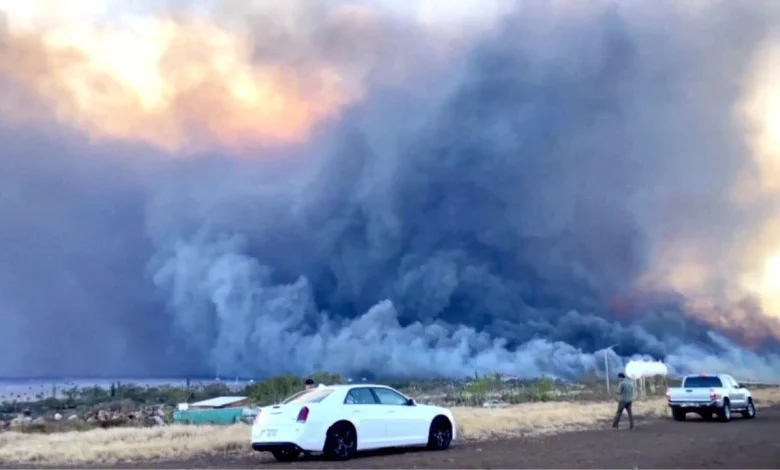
x=622 y=405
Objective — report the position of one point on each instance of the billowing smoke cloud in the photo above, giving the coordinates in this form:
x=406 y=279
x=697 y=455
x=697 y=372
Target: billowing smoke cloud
x=512 y=200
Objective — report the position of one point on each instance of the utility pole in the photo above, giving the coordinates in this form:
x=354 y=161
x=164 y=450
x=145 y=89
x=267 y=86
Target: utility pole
x=606 y=364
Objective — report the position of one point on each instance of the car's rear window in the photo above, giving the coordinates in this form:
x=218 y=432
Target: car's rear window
x=702 y=382
x=310 y=396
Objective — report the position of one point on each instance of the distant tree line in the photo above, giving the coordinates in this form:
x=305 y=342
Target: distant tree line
x=262 y=392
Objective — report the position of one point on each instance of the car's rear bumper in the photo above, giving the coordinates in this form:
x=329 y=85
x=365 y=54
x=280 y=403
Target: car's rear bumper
x=272 y=446
x=310 y=438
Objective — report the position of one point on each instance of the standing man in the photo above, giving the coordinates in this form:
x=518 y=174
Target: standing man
x=625 y=399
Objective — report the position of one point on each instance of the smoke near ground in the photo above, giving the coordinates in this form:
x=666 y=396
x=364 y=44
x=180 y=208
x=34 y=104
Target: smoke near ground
x=512 y=199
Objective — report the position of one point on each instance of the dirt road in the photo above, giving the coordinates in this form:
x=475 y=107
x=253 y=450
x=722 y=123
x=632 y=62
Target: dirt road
x=654 y=444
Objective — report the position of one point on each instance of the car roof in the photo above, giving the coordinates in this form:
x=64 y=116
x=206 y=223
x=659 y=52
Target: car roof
x=339 y=391
x=361 y=384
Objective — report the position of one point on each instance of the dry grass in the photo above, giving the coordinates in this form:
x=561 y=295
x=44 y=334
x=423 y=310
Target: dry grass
x=138 y=444
x=106 y=446
x=543 y=418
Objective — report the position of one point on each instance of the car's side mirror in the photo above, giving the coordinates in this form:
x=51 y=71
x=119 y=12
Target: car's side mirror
x=410 y=402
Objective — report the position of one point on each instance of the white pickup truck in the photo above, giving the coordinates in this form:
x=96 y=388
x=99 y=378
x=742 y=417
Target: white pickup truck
x=706 y=395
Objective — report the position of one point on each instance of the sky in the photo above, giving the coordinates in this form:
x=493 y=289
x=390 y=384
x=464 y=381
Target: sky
x=421 y=188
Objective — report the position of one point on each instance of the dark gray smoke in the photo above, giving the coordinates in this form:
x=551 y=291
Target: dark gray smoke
x=480 y=216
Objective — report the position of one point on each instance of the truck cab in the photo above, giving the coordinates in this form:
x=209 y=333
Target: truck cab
x=708 y=395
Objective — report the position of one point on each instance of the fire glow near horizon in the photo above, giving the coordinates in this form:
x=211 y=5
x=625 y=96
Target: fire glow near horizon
x=504 y=192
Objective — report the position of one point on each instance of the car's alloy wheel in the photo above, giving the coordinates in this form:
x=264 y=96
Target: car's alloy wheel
x=341 y=442
x=440 y=435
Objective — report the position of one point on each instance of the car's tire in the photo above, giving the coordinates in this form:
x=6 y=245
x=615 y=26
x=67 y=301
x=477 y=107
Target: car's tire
x=750 y=412
x=440 y=433
x=341 y=441
x=706 y=416
x=678 y=414
x=724 y=413
x=286 y=455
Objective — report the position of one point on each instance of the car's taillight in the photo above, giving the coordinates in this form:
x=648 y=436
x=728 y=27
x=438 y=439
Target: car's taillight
x=668 y=394
x=257 y=416
x=303 y=415
x=713 y=395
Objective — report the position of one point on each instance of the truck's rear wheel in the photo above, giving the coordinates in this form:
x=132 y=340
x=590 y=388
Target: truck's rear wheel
x=678 y=414
x=725 y=412
x=750 y=412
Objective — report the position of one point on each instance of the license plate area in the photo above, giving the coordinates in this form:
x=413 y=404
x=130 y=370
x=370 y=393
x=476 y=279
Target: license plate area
x=268 y=433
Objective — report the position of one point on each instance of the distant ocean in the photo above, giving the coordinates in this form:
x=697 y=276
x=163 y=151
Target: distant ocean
x=21 y=389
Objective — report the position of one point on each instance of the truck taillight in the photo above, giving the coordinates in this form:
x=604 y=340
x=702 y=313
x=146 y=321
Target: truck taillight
x=303 y=415
x=257 y=416
x=713 y=395
x=668 y=394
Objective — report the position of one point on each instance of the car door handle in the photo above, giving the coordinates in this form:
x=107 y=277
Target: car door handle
x=355 y=411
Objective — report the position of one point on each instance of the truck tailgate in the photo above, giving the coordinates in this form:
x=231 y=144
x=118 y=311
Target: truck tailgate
x=689 y=395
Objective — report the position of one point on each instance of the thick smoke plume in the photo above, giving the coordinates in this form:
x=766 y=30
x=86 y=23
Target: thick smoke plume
x=512 y=198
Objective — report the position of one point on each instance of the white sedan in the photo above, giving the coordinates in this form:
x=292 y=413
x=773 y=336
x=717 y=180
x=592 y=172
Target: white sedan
x=340 y=420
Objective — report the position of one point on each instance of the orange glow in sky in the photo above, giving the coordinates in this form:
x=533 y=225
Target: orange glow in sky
x=177 y=84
